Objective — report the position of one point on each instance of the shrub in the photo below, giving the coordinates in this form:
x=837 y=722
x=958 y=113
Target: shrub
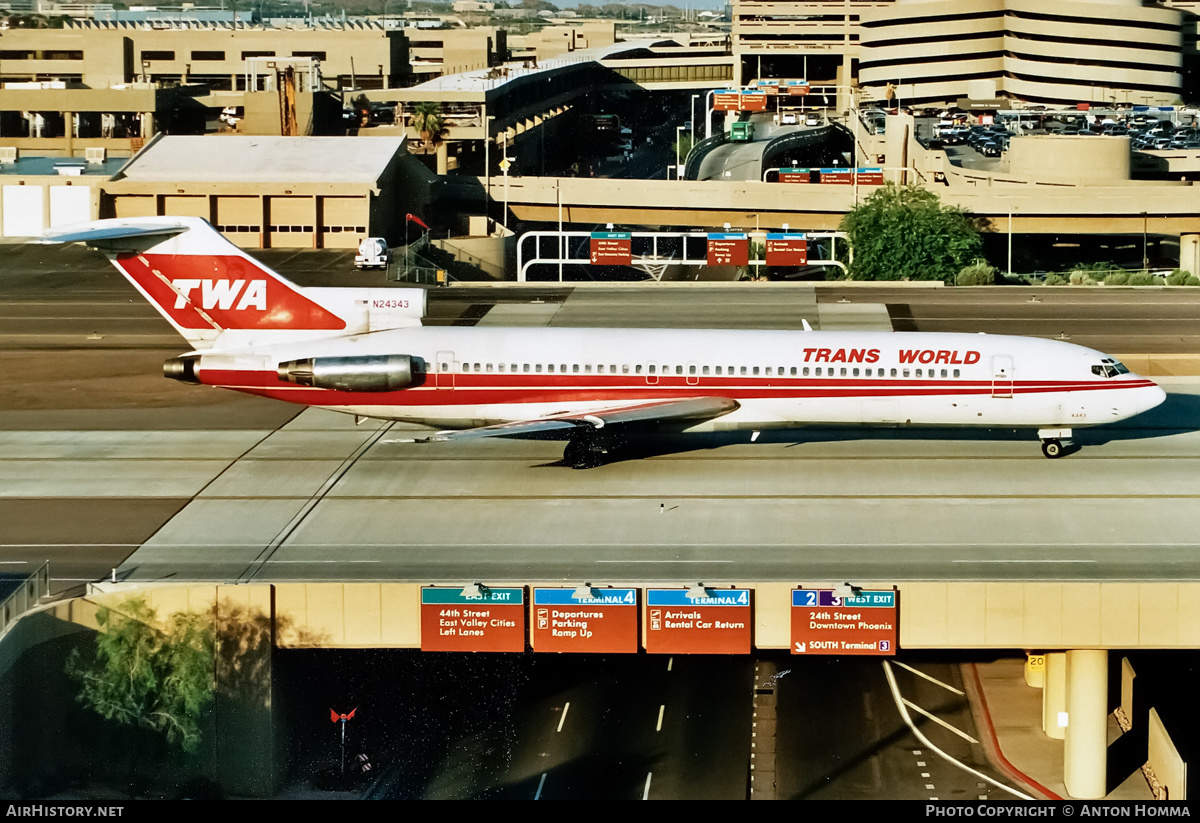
x=979 y=273
x=1117 y=278
x=1192 y=280
x=1178 y=277
x=1142 y=278
x=1055 y=280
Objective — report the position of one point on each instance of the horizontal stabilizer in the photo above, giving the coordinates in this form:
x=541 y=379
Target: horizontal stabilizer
x=112 y=235
x=662 y=411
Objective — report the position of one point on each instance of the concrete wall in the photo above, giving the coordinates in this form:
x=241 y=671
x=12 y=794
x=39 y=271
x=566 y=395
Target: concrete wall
x=1097 y=161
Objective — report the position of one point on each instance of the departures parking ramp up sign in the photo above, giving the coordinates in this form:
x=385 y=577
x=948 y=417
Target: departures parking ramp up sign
x=607 y=621
x=717 y=623
x=824 y=623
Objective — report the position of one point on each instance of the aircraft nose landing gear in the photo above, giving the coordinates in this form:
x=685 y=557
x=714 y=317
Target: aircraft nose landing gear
x=1055 y=442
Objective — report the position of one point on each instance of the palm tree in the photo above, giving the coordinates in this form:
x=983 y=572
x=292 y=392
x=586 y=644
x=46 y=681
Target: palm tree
x=427 y=120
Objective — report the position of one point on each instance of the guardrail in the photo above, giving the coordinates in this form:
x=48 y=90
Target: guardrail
x=27 y=595
x=691 y=164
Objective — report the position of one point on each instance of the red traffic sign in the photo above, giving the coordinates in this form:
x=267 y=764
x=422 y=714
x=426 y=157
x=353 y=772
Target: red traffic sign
x=604 y=621
x=824 y=623
x=795 y=175
x=717 y=623
x=728 y=250
x=869 y=177
x=786 y=249
x=491 y=621
x=727 y=101
x=611 y=248
x=754 y=101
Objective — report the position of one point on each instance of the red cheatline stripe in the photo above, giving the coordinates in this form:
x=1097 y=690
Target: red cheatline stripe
x=501 y=389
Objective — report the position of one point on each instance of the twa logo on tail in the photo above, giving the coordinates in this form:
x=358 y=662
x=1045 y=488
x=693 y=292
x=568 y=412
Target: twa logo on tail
x=223 y=291
x=220 y=294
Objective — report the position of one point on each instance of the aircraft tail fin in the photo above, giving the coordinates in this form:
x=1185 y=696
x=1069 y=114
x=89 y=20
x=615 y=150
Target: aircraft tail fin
x=200 y=282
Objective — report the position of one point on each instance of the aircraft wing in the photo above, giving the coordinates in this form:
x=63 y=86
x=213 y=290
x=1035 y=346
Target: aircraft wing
x=662 y=411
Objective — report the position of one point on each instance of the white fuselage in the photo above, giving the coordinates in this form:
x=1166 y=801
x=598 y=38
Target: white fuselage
x=480 y=376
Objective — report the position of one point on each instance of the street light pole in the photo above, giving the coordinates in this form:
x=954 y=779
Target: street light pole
x=678 y=146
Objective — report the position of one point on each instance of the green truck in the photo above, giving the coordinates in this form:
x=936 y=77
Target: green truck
x=741 y=132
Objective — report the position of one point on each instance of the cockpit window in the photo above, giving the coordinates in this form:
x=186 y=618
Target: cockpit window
x=1109 y=368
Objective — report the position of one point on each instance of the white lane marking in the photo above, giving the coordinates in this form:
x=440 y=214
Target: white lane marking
x=660 y=561
x=66 y=545
x=646 y=791
x=322 y=561
x=930 y=678
x=939 y=721
x=661 y=709
x=14 y=562
x=1025 y=562
x=541 y=783
x=670 y=662
x=900 y=701
x=563 y=719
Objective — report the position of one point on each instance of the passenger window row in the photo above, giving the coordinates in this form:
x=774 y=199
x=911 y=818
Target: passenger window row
x=719 y=371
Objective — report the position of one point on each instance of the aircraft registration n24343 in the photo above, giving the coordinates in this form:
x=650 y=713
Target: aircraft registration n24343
x=364 y=352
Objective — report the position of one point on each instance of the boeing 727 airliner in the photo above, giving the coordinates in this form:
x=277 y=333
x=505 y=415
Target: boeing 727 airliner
x=365 y=352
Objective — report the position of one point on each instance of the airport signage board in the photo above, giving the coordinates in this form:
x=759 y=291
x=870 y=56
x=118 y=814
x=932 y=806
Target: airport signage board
x=605 y=622
x=837 y=177
x=787 y=249
x=795 y=175
x=728 y=250
x=492 y=621
x=767 y=86
x=799 y=87
x=754 y=101
x=727 y=101
x=611 y=248
x=718 y=623
x=870 y=177
x=823 y=623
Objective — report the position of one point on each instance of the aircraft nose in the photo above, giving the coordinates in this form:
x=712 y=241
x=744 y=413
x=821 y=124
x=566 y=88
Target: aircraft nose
x=1152 y=397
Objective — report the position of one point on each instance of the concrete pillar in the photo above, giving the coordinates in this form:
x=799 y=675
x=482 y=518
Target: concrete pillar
x=443 y=159
x=1054 y=694
x=1085 y=750
x=1189 y=253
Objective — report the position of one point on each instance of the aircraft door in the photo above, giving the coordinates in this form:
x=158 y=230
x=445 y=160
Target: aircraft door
x=693 y=373
x=1002 y=376
x=652 y=372
x=446 y=366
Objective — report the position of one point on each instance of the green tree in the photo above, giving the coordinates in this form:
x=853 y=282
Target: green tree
x=428 y=121
x=905 y=233
x=146 y=676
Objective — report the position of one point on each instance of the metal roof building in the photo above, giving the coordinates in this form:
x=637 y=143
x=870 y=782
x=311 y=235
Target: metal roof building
x=271 y=192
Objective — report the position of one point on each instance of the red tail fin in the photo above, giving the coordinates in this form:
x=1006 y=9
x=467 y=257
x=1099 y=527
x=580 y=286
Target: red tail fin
x=199 y=281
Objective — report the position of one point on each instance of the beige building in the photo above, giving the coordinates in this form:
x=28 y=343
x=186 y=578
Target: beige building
x=1122 y=51
x=1062 y=52
x=272 y=192
x=817 y=41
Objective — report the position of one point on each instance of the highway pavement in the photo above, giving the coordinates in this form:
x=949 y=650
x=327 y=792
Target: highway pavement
x=101 y=456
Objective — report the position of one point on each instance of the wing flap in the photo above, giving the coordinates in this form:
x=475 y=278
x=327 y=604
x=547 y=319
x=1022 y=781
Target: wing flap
x=662 y=411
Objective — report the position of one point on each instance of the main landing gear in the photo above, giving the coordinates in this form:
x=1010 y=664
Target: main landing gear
x=1055 y=442
x=583 y=453
x=588 y=450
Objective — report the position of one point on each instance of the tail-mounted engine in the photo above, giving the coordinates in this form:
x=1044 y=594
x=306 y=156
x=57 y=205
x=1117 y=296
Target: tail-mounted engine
x=374 y=372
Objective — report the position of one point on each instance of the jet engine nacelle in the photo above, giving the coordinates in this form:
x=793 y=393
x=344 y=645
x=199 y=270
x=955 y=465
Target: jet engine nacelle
x=373 y=372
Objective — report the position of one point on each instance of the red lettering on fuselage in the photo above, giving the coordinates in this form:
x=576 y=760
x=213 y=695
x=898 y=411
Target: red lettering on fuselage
x=841 y=356
x=953 y=358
